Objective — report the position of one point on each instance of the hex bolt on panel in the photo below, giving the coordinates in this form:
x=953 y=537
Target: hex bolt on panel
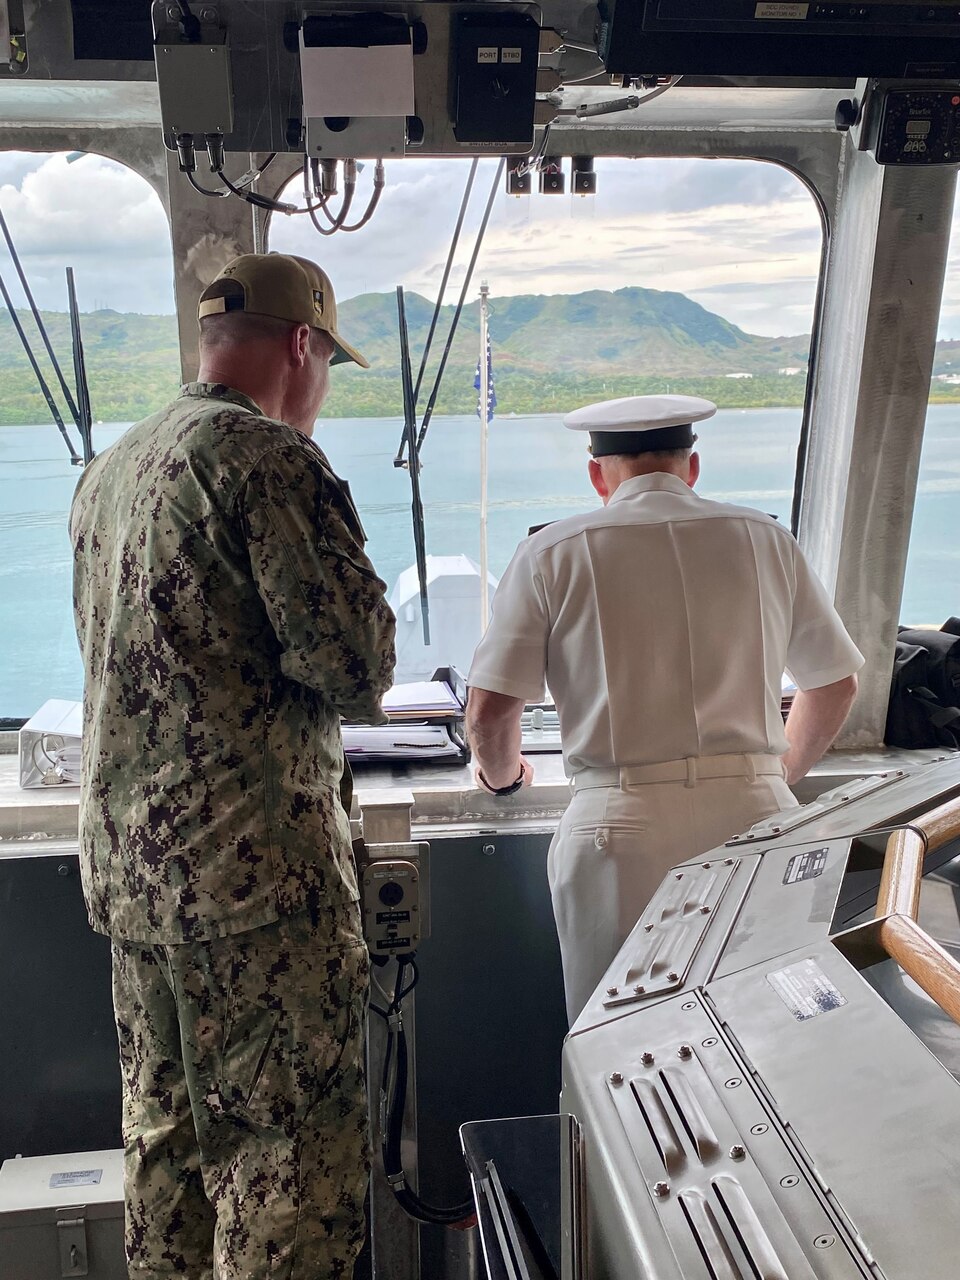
x=737 y=1152
x=489 y=849
x=647 y=1059
x=685 y=1051
x=639 y=989
x=672 y=977
x=616 y=1077
x=613 y=991
x=661 y=1189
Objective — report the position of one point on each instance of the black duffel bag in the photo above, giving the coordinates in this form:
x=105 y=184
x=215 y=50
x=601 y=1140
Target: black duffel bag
x=924 y=707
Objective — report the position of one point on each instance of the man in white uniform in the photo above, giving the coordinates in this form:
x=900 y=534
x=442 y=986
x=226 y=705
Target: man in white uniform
x=662 y=623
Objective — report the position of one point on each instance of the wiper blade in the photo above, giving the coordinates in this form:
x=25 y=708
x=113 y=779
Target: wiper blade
x=413 y=463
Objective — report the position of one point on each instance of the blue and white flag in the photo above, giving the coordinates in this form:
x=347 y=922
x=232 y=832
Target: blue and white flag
x=491 y=394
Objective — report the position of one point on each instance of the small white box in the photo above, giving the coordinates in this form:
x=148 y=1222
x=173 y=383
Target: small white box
x=62 y=1216
x=50 y=745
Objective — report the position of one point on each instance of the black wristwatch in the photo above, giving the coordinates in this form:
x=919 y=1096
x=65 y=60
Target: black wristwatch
x=502 y=791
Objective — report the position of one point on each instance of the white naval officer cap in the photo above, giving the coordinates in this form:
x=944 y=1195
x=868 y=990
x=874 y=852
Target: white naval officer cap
x=640 y=424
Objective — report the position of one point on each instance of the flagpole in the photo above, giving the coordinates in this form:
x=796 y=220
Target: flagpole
x=484 y=410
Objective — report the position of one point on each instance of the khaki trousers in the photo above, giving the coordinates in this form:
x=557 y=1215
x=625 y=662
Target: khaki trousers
x=615 y=844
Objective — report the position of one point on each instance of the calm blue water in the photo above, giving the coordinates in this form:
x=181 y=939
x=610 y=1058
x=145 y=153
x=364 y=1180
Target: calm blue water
x=537 y=473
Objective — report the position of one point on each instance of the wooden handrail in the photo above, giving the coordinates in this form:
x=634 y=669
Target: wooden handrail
x=898 y=905
x=902 y=871
x=903 y=860
x=932 y=968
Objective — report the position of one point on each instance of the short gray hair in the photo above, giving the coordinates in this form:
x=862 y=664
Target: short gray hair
x=233 y=328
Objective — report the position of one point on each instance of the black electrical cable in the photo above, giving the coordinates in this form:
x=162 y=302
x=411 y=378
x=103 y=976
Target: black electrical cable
x=251 y=197
x=218 y=195
x=189 y=23
x=410 y=1202
x=263 y=168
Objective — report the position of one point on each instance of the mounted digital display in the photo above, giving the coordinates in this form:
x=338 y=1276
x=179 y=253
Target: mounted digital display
x=919 y=127
x=781 y=38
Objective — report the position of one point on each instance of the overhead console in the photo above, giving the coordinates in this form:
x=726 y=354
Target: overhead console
x=781 y=38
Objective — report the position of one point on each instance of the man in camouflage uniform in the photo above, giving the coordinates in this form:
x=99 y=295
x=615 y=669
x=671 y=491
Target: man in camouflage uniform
x=228 y=618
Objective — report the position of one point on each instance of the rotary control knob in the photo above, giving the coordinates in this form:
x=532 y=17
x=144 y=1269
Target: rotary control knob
x=847 y=114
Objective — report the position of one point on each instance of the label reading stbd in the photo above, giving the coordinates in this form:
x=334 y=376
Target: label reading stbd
x=790 y=12
x=77 y=1178
x=806 y=990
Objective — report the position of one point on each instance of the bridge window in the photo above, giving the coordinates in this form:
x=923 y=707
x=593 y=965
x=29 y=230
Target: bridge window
x=680 y=275
x=54 y=206
x=687 y=276
x=931 y=591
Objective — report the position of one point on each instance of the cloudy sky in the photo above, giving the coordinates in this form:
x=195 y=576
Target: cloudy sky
x=740 y=237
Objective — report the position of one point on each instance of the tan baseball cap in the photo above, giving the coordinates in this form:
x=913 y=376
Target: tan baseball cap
x=283 y=286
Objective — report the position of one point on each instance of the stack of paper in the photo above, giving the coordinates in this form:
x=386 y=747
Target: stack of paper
x=399 y=742
x=425 y=698
x=425 y=724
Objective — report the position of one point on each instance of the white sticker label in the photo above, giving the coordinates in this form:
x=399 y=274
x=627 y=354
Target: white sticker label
x=77 y=1178
x=806 y=990
x=486 y=54
x=510 y=55
x=792 y=12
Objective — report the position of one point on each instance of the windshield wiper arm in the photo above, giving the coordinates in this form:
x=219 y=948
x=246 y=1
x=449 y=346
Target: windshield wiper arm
x=413 y=463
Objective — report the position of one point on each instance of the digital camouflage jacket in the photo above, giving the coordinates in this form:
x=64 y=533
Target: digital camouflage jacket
x=228 y=617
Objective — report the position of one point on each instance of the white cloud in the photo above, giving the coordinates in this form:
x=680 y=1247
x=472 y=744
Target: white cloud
x=740 y=237
x=685 y=225
x=95 y=215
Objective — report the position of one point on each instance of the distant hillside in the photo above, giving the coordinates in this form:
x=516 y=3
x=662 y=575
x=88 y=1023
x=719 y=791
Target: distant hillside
x=548 y=352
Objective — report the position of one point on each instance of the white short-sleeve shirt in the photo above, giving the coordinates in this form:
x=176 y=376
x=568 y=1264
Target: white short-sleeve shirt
x=662 y=624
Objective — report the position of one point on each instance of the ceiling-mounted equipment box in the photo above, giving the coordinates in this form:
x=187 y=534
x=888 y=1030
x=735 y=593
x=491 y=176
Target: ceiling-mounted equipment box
x=356 y=72
x=494 y=79
x=776 y=39
x=195 y=86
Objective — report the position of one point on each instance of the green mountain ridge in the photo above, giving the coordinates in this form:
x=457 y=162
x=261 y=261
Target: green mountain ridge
x=549 y=352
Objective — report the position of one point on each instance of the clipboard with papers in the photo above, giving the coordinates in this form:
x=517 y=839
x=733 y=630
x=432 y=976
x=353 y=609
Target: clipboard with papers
x=426 y=723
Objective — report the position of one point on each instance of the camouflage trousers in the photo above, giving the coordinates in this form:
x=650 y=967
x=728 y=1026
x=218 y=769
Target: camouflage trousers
x=244 y=1107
